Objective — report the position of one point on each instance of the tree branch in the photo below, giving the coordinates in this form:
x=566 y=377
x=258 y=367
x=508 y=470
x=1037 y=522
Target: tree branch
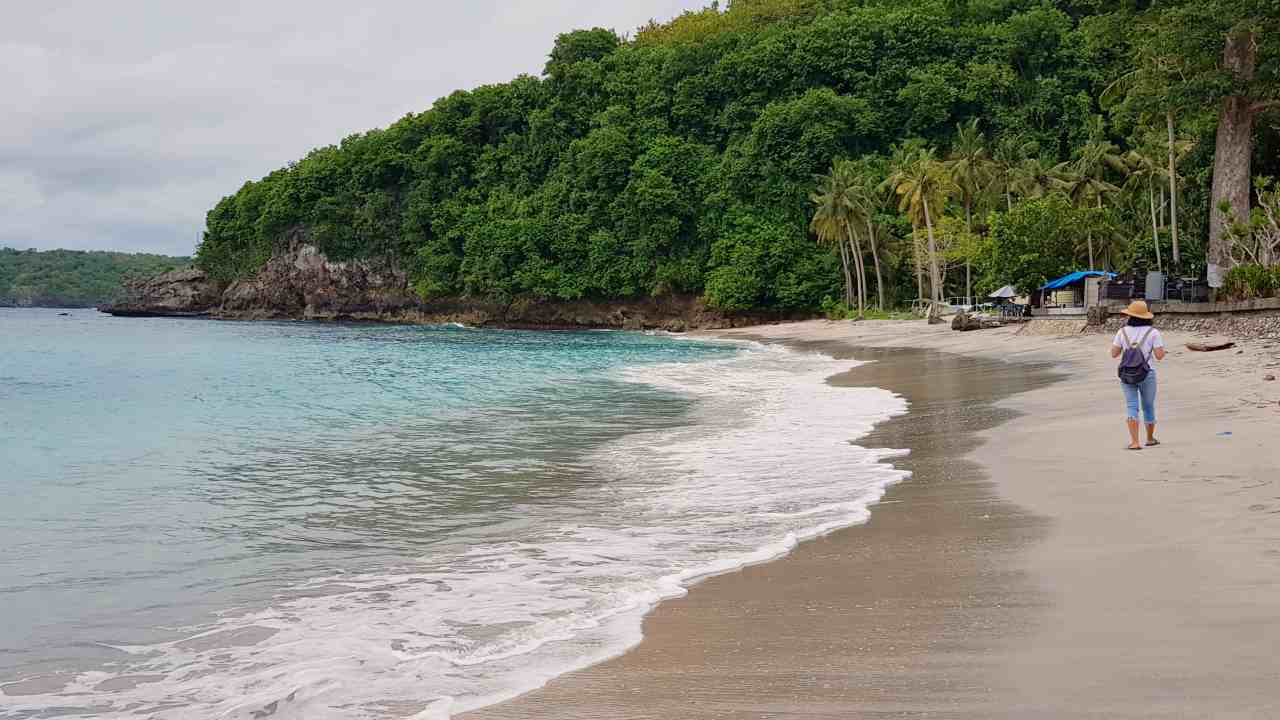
x=1263 y=105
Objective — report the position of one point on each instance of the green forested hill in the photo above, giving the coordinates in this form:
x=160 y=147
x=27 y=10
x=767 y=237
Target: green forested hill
x=72 y=278
x=682 y=160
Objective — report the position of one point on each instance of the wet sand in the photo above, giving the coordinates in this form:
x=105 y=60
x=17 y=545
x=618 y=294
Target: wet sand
x=893 y=616
x=1029 y=568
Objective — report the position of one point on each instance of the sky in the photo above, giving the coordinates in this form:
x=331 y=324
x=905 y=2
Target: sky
x=125 y=121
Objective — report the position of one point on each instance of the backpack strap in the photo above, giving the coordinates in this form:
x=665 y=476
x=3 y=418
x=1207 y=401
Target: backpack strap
x=1141 y=340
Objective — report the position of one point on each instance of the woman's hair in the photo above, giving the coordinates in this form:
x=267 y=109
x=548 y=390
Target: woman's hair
x=1139 y=322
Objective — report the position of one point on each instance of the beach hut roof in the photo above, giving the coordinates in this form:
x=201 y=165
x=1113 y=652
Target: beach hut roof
x=1007 y=291
x=1075 y=277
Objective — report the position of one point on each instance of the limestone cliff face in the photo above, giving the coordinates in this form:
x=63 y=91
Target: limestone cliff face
x=302 y=284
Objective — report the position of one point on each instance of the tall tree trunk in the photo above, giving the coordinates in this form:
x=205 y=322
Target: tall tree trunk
x=919 y=263
x=855 y=249
x=968 y=228
x=1173 y=193
x=860 y=268
x=1089 y=236
x=1231 y=155
x=848 y=279
x=1155 y=229
x=935 y=277
x=875 y=257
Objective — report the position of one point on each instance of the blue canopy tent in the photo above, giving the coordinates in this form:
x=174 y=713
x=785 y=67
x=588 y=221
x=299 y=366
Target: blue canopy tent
x=1073 y=281
x=1075 y=277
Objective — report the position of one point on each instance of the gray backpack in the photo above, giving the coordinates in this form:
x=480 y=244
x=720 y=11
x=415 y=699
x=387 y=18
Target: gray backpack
x=1134 y=365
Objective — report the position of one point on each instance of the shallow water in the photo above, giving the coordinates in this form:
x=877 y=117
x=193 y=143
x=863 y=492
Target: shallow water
x=227 y=520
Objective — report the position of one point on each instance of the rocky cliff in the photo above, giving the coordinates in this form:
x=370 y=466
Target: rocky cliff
x=302 y=284
x=186 y=292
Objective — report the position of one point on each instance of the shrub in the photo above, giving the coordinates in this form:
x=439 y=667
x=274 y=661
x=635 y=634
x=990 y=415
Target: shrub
x=1033 y=243
x=1244 y=282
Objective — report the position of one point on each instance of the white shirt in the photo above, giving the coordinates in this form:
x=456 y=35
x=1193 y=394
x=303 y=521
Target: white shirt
x=1126 y=336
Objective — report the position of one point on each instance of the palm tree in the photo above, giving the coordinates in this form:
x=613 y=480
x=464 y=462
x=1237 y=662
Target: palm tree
x=828 y=223
x=1145 y=168
x=969 y=166
x=1039 y=176
x=1090 y=169
x=900 y=156
x=1009 y=154
x=870 y=200
x=864 y=177
x=923 y=186
x=853 y=219
x=1152 y=72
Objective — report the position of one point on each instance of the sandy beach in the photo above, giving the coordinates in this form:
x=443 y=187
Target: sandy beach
x=1030 y=568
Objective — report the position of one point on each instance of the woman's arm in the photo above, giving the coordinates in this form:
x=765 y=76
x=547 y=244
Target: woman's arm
x=1115 y=351
x=1159 y=353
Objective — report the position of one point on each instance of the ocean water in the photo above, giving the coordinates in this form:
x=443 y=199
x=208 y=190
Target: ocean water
x=205 y=519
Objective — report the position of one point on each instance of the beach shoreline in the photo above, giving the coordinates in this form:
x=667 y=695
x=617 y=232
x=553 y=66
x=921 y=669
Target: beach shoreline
x=1011 y=573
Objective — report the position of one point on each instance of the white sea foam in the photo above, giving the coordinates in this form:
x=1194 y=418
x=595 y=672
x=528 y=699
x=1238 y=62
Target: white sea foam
x=767 y=463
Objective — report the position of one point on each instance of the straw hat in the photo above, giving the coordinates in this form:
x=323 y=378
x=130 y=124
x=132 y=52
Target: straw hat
x=1138 y=309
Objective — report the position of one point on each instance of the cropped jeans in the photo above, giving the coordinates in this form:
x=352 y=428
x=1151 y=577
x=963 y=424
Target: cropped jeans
x=1144 y=392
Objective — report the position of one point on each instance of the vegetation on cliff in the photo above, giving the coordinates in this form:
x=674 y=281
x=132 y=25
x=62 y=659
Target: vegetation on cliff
x=73 y=278
x=684 y=160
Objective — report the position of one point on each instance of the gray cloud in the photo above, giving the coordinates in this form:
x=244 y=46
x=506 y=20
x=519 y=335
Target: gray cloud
x=125 y=121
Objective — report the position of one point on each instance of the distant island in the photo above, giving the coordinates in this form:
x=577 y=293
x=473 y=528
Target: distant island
x=73 y=278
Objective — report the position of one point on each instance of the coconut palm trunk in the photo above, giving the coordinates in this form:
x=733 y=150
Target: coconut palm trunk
x=1089 y=235
x=919 y=263
x=848 y=278
x=968 y=273
x=875 y=257
x=859 y=269
x=935 y=277
x=1173 y=193
x=1155 y=229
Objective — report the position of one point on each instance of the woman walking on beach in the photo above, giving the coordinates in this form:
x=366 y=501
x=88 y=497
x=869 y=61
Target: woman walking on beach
x=1136 y=343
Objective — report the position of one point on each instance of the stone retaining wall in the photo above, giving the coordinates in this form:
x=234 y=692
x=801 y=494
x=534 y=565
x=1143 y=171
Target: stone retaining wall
x=1255 y=324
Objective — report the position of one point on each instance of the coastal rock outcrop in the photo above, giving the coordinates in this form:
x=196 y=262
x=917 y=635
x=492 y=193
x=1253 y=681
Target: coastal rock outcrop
x=300 y=283
x=187 y=292
x=304 y=284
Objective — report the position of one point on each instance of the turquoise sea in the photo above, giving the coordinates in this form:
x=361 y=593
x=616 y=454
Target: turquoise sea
x=205 y=519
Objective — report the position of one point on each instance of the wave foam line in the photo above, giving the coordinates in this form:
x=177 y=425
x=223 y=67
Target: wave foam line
x=766 y=463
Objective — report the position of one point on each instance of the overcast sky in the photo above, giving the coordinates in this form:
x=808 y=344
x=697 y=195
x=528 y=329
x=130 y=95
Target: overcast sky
x=125 y=121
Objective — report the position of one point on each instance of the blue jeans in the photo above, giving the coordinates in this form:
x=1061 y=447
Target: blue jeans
x=1144 y=391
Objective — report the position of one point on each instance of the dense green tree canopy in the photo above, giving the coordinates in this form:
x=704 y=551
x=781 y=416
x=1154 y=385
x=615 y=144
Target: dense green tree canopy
x=73 y=278
x=683 y=160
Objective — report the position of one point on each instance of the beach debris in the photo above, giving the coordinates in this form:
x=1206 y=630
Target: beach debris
x=965 y=322
x=1269 y=377
x=1210 y=346
x=1224 y=434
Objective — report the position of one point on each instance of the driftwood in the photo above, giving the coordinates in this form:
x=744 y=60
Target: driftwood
x=1210 y=347
x=966 y=322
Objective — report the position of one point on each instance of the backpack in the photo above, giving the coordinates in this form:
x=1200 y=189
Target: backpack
x=1134 y=366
